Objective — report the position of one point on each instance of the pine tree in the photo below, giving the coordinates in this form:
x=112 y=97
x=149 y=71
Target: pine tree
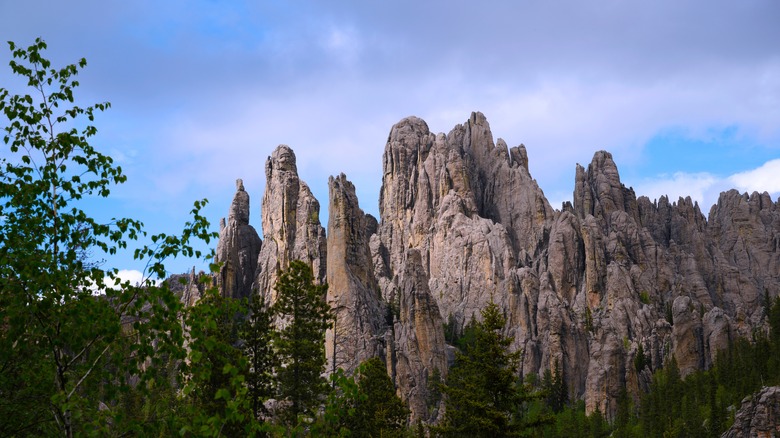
x=378 y=411
x=300 y=345
x=257 y=335
x=481 y=392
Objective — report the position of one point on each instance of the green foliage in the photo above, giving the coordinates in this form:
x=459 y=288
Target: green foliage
x=257 y=336
x=300 y=345
x=588 y=320
x=365 y=405
x=434 y=386
x=217 y=394
x=703 y=404
x=468 y=337
x=572 y=422
x=378 y=411
x=481 y=392
x=555 y=389
x=339 y=407
x=644 y=297
x=70 y=358
x=451 y=330
x=640 y=360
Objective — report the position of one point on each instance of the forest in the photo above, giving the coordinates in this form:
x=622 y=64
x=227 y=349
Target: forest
x=84 y=353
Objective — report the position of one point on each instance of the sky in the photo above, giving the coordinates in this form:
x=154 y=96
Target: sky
x=685 y=95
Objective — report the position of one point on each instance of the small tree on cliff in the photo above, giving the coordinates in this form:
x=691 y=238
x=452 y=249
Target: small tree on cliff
x=301 y=343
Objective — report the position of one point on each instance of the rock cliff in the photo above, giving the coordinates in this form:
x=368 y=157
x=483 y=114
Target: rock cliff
x=291 y=223
x=759 y=415
x=353 y=293
x=463 y=223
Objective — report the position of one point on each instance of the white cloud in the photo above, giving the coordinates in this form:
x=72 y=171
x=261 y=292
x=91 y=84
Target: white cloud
x=680 y=184
x=133 y=276
x=765 y=178
x=705 y=188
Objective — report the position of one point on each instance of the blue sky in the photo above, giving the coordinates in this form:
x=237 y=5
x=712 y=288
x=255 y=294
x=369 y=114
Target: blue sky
x=686 y=95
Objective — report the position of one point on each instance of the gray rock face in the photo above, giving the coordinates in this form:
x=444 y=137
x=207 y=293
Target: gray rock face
x=759 y=415
x=353 y=293
x=237 y=249
x=418 y=338
x=291 y=224
x=462 y=223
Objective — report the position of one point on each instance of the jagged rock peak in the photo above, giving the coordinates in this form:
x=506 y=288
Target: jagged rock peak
x=238 y=248
x=239 y=209
x=353 y=293
x=599 y=192
x=282 y=159
x=291 y=223
x=408 y=132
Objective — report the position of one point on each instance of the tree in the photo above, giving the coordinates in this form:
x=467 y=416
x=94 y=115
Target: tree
x=73 y=338
x=363 y=405
x=480 y=390
x=378 y=411
x=554 y=386
x=300 y=345
x=257 y=335
x=217 y=368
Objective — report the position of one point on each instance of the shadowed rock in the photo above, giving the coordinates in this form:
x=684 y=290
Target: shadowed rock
x=237 y=249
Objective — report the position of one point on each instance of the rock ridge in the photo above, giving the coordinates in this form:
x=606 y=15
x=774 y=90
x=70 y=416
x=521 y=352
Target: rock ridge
x=462 y=223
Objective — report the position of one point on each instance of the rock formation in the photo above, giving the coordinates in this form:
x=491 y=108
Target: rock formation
x=353 y=293
x=291 y=224
x=237 y=249
x=759 y=415
x=462 y=223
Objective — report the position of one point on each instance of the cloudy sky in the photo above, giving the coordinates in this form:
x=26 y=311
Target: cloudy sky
x=686 y=95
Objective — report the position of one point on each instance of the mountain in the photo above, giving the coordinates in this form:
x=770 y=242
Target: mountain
x=463 y=223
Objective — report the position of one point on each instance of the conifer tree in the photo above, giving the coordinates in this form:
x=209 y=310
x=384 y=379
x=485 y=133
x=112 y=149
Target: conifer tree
x=481 y=392
x=378 y=411
x=257 y=335
x=300 y=345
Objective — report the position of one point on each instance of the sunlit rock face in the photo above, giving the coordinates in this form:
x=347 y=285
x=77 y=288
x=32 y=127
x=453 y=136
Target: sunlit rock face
x=462 y=223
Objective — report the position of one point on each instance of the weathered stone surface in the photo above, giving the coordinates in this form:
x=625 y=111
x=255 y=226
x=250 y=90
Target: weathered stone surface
x=585 y=285
x=291 y=224
x=237 y=249
x=353 y=293
x=462 y=223
x=759 y=415
x=187 y=287
x=418 y=337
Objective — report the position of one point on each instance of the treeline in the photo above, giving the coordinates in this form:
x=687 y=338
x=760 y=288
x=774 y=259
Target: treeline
x=255 y=370
x=705 y=402
x=701 y=405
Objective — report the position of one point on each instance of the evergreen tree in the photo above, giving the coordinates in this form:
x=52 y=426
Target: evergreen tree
x=257 y=336
x=554 y=386
x=480 y=390
x=378 y=411
x=300 y=345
